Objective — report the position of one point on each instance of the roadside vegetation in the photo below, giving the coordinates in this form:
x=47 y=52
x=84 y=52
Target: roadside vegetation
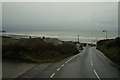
x=35 y=50
x=111 y=48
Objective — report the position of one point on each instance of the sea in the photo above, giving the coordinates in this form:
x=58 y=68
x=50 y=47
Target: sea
x=67 y=35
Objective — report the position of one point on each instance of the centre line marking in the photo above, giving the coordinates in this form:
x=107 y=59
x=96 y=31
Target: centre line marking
x=91 y=63
x=58 y=69
x=97 y=75
x=52 y=75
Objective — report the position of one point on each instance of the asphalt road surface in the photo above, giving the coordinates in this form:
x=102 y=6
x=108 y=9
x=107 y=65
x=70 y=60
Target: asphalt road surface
x=90 y=63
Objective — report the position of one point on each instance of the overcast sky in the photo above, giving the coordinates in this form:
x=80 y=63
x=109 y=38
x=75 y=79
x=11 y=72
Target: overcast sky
x=60 y=16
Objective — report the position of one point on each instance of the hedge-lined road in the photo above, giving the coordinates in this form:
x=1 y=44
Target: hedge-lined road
x=90 y=63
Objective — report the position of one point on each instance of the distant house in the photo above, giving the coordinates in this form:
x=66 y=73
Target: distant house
x=53 y=41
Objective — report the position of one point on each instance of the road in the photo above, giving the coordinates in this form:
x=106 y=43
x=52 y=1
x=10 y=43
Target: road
x=90 y=63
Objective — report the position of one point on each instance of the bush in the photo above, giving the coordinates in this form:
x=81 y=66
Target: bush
x=111 y=48
x=36 y=50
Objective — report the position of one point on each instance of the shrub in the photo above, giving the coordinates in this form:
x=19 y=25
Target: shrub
x=111 y=48
x=36 y=50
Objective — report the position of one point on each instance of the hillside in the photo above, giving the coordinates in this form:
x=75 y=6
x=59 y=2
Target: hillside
x=111 y=48
x=35 y=50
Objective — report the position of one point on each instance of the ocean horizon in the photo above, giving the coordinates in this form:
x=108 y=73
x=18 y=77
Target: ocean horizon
x=68 y=35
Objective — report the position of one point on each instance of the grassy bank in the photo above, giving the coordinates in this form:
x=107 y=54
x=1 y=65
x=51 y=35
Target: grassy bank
x=111 y=48
x=35 y=50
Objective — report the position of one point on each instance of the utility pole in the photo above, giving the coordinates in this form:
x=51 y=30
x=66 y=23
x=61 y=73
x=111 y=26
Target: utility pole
x=78 y=38
x=106 y=33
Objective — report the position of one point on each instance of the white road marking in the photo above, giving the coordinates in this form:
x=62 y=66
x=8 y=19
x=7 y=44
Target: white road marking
x=58 y=69
x=66 y=61
x=91 y=63
x=97 y=75
x=63 y=65
x=104 y=56
x=52 y=75
x=72 y=58
x=91 y=59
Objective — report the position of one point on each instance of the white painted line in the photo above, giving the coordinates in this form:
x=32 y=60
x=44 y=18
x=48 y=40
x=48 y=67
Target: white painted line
x=52 y=75
x=97 y=75
x=66 y=61
x=107 y=59
x=69 y=60
x=58 y=69
x=72 y=58
x=63 y=65
x=91 y=63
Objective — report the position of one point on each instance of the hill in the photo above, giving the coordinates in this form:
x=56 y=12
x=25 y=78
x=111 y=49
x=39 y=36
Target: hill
x=35 y=50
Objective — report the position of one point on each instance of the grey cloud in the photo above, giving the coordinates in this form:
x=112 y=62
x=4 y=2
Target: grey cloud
x=59 y=16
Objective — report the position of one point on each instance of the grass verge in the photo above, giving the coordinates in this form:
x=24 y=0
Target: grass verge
x=111 y=48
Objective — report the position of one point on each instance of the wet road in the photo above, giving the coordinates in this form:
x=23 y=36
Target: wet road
x=90 y=63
